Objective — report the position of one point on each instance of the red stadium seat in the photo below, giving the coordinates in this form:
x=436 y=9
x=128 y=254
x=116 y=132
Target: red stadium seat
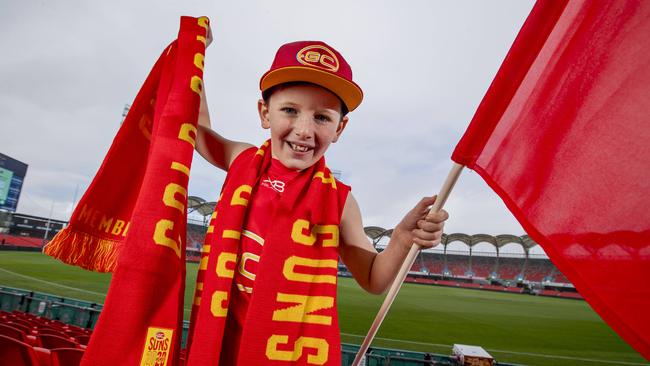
x=55 y=324
x=52 y=341
x=19 y=325
x=43 y=355
x=74 y=328
x=483 y=266
x=74 y=332
x=21 y=314
x=82 y=339
x=16 y=353
x=40 y=322
x=22 y=241
x=66 y=356
x=573 y=295
x=51 y=327
x=15 y=333
x=49 y=331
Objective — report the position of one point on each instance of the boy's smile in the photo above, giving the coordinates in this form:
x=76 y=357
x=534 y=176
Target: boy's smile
x=304 y=120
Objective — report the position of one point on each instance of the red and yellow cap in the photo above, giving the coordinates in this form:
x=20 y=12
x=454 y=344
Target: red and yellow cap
x=314 y=62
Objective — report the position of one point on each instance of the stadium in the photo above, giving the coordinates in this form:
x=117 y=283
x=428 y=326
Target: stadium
x=517 y=306
x=542 y=104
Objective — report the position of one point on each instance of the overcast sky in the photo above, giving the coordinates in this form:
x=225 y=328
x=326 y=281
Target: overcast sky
x=69 y=67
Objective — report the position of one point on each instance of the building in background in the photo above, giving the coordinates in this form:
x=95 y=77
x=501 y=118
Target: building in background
x=12 y=175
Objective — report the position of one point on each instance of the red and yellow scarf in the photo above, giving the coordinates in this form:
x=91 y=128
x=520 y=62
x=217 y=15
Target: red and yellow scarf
x=292 y=316
x=132 y=218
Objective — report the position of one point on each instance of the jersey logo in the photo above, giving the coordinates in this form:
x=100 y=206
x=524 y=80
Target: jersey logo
x=276 y=184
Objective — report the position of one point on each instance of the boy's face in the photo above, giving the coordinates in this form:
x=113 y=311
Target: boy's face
x=304 y=120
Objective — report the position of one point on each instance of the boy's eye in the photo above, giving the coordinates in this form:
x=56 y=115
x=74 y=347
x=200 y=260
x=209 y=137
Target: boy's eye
x=322 y=118
x=289 y=110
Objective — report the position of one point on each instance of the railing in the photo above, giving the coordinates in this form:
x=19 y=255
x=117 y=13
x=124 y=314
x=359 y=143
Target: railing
x=85 y=314
x=76 y=312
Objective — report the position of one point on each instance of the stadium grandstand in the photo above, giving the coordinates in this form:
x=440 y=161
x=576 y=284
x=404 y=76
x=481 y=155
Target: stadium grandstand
x=507 y=263
x=27 y=231
x=498 y=263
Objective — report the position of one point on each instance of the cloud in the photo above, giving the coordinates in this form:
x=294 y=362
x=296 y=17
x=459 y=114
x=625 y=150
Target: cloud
x=424 y=67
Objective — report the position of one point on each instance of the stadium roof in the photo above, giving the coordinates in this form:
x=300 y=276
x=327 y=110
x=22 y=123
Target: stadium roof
x=206 y=208
x=194 y=201
x=200 y=206
x=376 y=233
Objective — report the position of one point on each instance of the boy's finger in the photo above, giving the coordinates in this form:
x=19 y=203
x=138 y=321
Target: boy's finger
x=426 y=243
x=430 y=226
x=425 y=202
x=426 y=235
x=439 y=216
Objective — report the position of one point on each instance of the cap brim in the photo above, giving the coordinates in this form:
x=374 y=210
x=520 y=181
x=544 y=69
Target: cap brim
x=348 y=91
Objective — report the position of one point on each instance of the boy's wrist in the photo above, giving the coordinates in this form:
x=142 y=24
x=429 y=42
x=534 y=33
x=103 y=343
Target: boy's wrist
x=402 y=237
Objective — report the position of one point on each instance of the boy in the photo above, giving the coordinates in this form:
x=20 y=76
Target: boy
x=306 y=96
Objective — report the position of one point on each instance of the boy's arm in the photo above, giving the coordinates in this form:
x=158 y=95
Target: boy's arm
x=376 y=271
x=216 y=149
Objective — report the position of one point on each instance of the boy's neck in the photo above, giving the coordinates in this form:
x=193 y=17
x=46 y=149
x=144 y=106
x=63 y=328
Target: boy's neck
x=277 y=163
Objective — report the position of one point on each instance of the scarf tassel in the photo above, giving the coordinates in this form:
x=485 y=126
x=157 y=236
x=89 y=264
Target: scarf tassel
x=84 y=250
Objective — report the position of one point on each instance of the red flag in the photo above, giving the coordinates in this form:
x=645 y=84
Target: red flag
x=562 y=136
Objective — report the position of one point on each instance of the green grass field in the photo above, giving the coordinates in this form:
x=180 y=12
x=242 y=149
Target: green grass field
x=513 y=328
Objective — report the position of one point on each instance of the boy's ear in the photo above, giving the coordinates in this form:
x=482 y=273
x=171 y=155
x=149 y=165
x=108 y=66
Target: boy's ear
x=340 y=128
x=263 y=110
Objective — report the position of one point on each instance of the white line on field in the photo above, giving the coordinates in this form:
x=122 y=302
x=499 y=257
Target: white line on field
x=509 y=352
x=59 y=285
x=52 y=283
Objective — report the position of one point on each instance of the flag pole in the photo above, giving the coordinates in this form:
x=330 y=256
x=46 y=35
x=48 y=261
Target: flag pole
x=447 y=186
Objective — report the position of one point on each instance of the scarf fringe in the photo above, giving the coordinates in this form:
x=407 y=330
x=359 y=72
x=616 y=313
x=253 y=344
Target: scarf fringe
x=84 y=250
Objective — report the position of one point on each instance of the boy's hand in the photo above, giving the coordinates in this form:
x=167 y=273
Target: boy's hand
x=420 y=227
x=208 y=38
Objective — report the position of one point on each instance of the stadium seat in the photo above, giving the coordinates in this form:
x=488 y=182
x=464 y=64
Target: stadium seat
x=66 y=356
x=49 y=331
x=573 y=295
x=15 y=333
x=57 y=325
x=82 y=339
x=20 y=317
x=483 y=266
x=21 y=314
x=16 y=353
x=43 y=355
x=560 y=277
x=71 y=332
x=19 y=325
x=52 y=341
x=509 y=268
x=22 y=241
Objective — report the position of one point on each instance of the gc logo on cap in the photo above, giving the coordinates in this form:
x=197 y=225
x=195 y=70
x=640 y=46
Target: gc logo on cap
x=318 y=56
x=314 y=62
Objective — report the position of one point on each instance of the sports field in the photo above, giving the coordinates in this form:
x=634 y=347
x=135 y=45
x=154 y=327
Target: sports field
x=513 y=328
